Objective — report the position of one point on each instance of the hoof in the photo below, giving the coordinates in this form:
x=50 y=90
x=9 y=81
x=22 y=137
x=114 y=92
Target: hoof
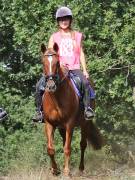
x=67 y=173
x=81 y=172
x=81 y=168
x=55 y=172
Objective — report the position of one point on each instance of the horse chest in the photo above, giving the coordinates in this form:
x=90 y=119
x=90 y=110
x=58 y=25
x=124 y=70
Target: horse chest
x=53 y=111
x=60 y=107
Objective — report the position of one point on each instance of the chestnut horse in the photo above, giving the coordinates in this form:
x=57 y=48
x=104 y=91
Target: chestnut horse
x=61 y=109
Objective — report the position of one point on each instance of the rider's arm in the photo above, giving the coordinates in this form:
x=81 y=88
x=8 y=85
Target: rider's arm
x=82 y=60
x=50 y=43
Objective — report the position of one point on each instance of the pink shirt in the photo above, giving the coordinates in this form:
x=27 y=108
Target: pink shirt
x=69 y=49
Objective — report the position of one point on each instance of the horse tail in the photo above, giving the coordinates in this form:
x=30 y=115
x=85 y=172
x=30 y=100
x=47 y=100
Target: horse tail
x=94 y=136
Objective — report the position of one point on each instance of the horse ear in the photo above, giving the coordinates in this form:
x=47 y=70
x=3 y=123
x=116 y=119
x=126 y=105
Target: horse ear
x=43 y=48
x=56 y=47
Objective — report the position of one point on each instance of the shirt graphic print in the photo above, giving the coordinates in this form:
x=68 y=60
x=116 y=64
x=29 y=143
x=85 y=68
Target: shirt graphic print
x=66 y=47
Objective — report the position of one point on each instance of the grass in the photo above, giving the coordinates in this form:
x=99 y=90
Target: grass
x=98 y=166
x=32 y=163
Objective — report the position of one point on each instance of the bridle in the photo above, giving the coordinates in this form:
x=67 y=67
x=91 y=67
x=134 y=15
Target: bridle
x=55 y=77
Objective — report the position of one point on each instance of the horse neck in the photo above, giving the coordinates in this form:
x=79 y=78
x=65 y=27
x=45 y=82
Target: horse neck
x=64 y=80
x=65 y=85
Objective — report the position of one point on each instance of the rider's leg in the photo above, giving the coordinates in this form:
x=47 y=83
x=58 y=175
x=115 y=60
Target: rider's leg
x=88 y=112
x=40 y=87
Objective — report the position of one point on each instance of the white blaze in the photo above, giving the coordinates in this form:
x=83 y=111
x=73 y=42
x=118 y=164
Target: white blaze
x=50 y=61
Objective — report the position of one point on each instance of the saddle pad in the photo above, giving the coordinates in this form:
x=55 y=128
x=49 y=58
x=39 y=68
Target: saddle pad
x=78 y=91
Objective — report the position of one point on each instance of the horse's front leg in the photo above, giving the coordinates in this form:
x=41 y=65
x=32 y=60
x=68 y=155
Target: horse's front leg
x=49 y=129
x=67 y=150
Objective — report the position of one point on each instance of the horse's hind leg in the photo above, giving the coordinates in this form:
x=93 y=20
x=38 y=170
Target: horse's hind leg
x=50 y=147
x=63 y=134
x=83 y=145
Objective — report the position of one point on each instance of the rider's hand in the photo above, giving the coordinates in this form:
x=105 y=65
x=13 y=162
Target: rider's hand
x=86 y=74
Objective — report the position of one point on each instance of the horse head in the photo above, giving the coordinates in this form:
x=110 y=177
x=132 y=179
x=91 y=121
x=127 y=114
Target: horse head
x=51 y=67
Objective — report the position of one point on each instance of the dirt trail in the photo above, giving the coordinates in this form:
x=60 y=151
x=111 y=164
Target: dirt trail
x=44 y=174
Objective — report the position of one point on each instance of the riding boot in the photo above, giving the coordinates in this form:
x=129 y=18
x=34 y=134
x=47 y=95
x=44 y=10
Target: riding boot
x=3 y=114
x=88 y=111
x=40 y=87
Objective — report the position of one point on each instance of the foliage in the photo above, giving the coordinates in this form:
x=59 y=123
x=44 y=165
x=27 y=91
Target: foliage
x=109 y=44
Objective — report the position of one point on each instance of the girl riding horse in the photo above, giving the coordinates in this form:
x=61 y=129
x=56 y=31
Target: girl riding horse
x=71 y=56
